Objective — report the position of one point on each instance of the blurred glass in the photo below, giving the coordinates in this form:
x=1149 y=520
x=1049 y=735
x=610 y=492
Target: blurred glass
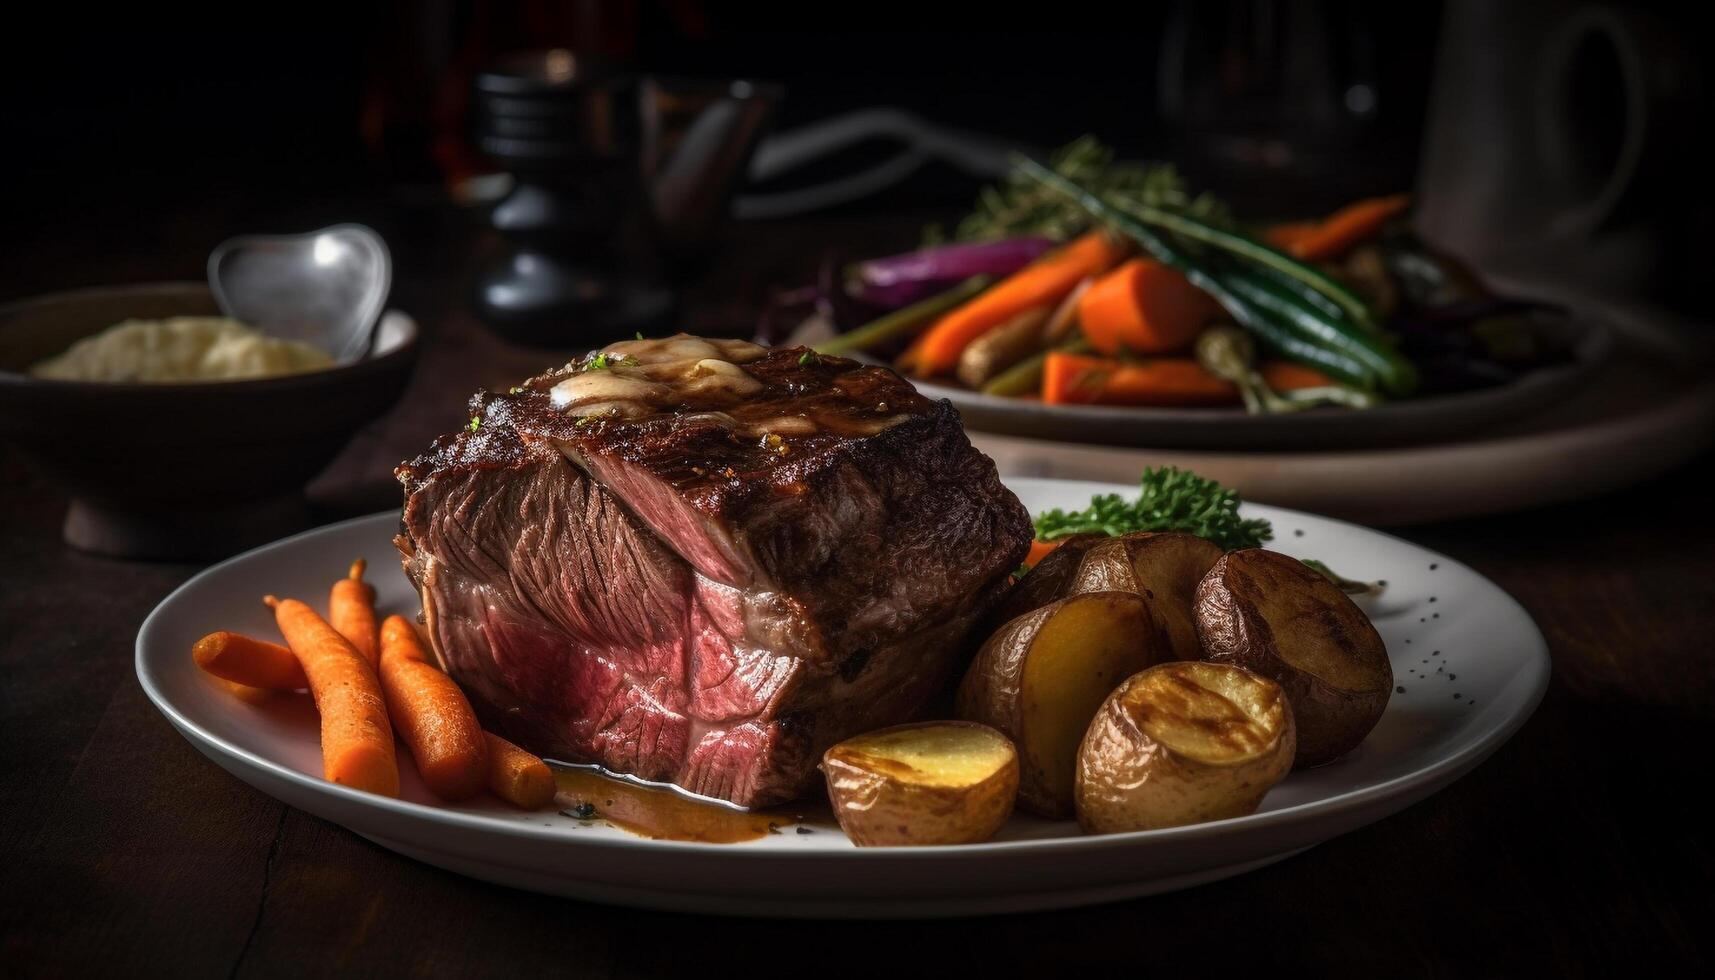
x=1294 y=106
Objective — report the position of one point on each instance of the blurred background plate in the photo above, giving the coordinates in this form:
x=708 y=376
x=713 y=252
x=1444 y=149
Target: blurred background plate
x=1648 y=407
x=1395 y=423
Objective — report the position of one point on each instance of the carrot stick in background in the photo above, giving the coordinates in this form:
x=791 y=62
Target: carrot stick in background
x=253 y=663
x=1042 y=283
x=351 y=611
x=1352 y=225
x=1285 y=236
x=357 y=741
x=516 y=776
x=1072 y=379
x=432 y=715
x=1287 y=376
x=1144 y=307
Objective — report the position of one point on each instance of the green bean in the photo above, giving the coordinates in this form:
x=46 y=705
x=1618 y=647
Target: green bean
x=905 y=322
x=1333 y=361
x=1249 y=248
x=1279 y=317
x=1391 y=372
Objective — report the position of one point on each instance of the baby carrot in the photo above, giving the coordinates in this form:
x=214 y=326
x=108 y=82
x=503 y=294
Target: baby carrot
x=1145 y=307
x=1041 y=283
x=1285 y=237
x=1287 y=376
x=1351 y=225
x=243 y=692
x=516 y=776
x=431 y=715
x=357 y=742
x=1073 y=379
x=253 y=663
x=351 y=611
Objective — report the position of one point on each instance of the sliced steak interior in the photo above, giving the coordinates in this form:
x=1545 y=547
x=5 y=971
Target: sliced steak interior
x=704 y=562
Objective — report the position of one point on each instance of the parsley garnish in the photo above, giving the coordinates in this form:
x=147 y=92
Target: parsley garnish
x=807 y=358
x=475 y=423
x=639 y=335
x=1172 y=499
x=1169 y=499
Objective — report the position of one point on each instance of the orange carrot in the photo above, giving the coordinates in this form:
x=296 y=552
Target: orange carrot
x=357 y=742
x=1145 y=307
x=351 y=611
x=1042 y=283
x=1285 y=236
x=1351 y=225
x=432 y=715
x=516 y=776
x=252 y=663
x=243 y=692
x=1039 y=550
x=1287 y=376
x=1070 y=379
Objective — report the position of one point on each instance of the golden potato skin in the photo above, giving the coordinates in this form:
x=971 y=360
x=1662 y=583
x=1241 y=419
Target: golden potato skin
x=1271 y=614
x=1078 y=648
x=1047 y=581
x=1165 y=567
x=1162 y=566
x=1129 y=779
x=881 y=803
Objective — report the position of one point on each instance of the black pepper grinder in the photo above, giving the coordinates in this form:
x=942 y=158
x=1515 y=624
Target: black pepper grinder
x=573 y=267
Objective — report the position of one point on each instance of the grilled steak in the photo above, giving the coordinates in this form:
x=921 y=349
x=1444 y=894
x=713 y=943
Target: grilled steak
x=704 y=562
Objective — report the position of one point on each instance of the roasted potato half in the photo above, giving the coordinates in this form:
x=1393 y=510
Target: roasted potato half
x=1040 y=678
x=935 y=782
x=1181 y=743
x=1164 y=568
x=1270 y=614
x=1048 y=580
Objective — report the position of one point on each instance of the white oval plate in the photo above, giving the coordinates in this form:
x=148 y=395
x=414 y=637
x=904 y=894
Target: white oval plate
x=1471 y=662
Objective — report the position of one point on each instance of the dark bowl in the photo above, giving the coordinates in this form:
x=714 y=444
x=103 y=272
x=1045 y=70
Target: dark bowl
x=181 y=470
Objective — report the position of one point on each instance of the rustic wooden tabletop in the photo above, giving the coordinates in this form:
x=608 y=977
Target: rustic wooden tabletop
x=1576 y=849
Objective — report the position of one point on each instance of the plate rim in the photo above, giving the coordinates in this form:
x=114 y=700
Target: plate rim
x=1594 y=348
x=1434 y=775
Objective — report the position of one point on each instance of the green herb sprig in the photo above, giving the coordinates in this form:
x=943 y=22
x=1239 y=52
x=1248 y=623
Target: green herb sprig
x=1019 y=205
x=1169 y=499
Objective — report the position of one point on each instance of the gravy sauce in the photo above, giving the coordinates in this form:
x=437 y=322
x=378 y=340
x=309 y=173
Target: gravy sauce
x=663 y=813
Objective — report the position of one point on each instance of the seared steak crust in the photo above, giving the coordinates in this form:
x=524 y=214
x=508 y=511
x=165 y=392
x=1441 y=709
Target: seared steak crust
x=713 y=592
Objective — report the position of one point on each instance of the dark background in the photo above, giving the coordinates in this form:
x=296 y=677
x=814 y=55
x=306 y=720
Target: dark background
x=121 y=136
x=125 y=136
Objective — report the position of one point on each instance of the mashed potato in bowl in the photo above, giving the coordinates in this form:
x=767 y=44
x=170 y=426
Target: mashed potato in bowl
x=181 y=349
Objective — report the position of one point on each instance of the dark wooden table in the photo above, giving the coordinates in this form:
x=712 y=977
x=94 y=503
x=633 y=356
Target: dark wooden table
x=1577 y=849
